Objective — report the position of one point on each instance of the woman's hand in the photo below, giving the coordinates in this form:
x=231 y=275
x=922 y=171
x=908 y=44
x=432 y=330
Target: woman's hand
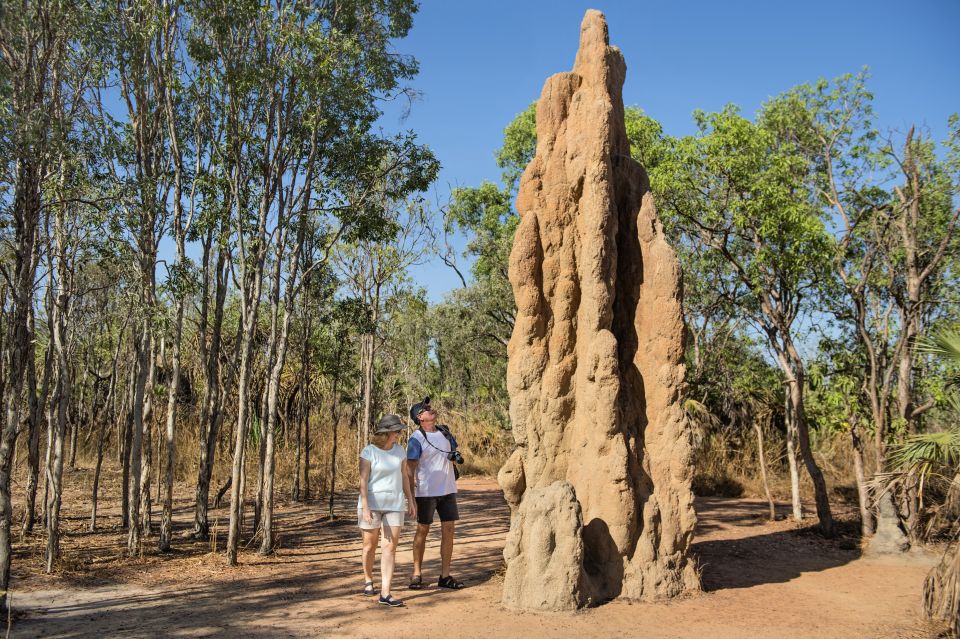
x=411 y=508
x=367 y=515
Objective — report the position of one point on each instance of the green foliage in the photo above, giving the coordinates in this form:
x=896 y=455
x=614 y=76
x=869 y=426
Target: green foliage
x=519 y=147
x=741 y=189
x=933 y=454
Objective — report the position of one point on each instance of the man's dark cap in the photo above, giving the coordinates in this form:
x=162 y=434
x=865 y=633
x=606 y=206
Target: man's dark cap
x=418 y=408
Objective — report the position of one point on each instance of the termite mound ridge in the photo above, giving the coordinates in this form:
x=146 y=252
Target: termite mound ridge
x=599 y=484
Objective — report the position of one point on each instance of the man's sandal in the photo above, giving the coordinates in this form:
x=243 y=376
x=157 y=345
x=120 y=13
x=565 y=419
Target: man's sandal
x=368 y=589
x=416 y=583
x=450 y=583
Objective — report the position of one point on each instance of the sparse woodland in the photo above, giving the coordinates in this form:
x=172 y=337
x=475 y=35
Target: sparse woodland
x=205 y=246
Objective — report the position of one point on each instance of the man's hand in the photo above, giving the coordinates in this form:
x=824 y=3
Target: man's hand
x=411 y=508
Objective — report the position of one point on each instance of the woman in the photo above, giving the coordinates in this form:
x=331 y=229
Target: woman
x=385 y=495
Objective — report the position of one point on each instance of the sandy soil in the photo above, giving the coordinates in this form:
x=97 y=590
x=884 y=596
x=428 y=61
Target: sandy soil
x=761 y=579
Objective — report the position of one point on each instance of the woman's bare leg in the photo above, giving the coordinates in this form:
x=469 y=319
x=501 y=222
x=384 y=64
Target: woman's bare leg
x=370 y=539
x=388 y=553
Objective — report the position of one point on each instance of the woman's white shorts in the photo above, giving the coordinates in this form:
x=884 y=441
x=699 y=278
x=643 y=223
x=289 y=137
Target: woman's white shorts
x=391 y=518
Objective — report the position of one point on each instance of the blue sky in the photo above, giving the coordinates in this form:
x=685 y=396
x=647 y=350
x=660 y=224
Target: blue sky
x=481 y=63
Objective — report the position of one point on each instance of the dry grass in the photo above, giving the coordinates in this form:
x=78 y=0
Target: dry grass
x=484 y=447
x=727 y=465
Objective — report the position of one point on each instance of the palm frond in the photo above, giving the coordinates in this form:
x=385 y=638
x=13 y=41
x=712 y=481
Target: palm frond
x=945 y=344
x=700 y=413
x=927 y=450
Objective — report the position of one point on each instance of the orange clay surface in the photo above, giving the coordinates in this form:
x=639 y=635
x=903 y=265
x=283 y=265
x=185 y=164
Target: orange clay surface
x=761 y=579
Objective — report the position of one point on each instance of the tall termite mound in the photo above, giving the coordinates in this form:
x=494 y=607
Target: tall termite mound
x=599 y=484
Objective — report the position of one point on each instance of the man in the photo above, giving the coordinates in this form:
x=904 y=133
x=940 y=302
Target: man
x=430 y=464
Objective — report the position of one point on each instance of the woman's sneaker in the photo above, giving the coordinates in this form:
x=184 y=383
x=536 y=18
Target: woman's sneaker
x=390 y=601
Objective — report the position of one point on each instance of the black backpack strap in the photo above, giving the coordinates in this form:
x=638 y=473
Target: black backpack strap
x=443 y=428
x=446 y=435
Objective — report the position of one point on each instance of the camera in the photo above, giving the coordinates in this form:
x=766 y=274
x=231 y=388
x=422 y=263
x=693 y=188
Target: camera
x=455 y=456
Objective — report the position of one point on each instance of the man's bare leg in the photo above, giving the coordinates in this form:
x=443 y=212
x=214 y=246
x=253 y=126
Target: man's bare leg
x=419 y=546
x=446 y=546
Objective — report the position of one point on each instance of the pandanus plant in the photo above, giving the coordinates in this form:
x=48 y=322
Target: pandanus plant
x=934 y=458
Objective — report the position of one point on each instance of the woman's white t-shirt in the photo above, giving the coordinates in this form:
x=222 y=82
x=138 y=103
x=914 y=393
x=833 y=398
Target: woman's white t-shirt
x=385 y=485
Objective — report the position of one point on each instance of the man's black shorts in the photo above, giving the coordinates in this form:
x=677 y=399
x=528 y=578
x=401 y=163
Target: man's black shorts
x=445 y=506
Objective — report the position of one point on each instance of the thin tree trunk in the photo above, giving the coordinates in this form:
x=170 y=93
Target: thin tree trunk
x=101 y=440
x=33 y=448
x=239 y=451
x=166 y=523
x=126 y=444
x=334 y=419
x=819 y=485
x=795 y=502
x=368 y=381
x=758 y=429
x=295 y=489
x=306 y=451
x=304 y=413
x=146 y=461
x=61 y=395
x=211 y=412
x=79 y=419
x=273 y=390
x=867 y=524
x=136 y=442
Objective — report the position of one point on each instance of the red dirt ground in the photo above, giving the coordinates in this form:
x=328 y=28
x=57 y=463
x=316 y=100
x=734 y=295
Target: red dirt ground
x=761 y=579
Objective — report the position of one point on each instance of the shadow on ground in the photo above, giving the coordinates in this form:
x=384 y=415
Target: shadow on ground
x=314 y=576
x=312 y=582
x=736 y=548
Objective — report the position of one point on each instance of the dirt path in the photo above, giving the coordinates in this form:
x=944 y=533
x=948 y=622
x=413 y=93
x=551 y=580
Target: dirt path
x=761 y=579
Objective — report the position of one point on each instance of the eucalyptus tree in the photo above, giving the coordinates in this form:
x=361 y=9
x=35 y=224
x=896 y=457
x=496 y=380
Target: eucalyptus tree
x=212 y=227
x=343 y=318
x=741 y=190
x=407 y=366
x=38 y=58
x=140 y=166
x=889 y=206
x=323 y=331
x=106 y=343
x=372 y=271
x=70 y=229
x=296 y=86
x=891 y=209
x=179 y=97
